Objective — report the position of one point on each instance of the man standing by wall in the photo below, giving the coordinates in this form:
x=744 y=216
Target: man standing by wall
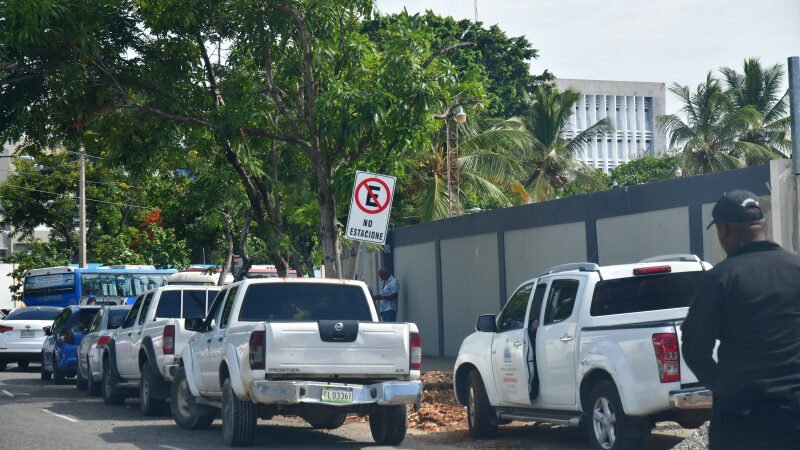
x=387 y=298
x=750 y=302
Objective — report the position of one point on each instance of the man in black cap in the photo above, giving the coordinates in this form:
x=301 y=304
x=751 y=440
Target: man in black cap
x=750 y=303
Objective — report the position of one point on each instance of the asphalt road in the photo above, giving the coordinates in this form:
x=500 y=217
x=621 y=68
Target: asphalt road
x=35 y=414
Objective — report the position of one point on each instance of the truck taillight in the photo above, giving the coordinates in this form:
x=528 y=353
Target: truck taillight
x=168 y=340
x=103 y=341
x=416 y=351
x=667 y=357
x=257 y=349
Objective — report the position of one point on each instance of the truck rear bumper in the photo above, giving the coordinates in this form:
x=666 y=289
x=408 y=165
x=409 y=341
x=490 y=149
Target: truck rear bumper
x=294 y=392
x=697 y=398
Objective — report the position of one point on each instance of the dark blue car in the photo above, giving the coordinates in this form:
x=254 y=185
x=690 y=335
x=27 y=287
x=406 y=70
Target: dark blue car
x=60 y=349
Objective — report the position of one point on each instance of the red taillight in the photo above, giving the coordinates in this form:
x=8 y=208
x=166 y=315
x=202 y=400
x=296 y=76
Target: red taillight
x=103 y=341
x=67 y=337
x=416 y=351
x=168 y=340
x=652 y=270
x=4 y=328
x=257 y=349
x=667 y=356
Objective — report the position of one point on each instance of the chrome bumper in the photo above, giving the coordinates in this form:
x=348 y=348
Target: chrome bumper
x=699 y=398
x=293 y=392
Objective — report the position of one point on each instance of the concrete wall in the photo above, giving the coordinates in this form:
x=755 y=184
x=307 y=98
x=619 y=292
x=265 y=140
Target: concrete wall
x=633 y=237
x=533 y=250
x=470 y=276
x=452 y=270
x=415 y=269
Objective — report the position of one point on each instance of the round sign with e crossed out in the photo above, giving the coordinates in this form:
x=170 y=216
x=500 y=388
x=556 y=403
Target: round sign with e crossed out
x=372 y=196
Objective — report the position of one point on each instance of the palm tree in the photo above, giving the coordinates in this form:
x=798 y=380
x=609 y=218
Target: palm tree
x=487 y=162
x=708 y=138
x=550 y=162
x=761 y=106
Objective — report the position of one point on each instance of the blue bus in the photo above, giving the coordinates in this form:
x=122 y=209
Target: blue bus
x=62 y=286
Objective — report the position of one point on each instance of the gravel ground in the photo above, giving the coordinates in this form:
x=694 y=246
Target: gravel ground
x=697 y=441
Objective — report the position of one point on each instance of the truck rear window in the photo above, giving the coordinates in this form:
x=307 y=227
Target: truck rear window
x=303 y=302
x=644 y=293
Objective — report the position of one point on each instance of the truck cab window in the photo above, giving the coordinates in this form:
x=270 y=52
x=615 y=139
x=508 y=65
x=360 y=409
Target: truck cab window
x=513 y=315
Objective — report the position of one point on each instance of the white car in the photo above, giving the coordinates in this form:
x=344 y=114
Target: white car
x=22 y=334
x=90 y=350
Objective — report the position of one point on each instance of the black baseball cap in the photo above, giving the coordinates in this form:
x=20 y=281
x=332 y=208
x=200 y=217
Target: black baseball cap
x=736 y=207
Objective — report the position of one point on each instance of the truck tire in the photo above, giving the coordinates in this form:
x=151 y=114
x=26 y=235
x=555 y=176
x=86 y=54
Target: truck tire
x=330 y=421
x=239 y=418
x=46 y=375
x=148 y=405
x=607 y=425
x=80 y=382
x=92 y=387
x=58 y=375
x=111 y=395
x=481 y=416
x=182 y=404
x=388 y=424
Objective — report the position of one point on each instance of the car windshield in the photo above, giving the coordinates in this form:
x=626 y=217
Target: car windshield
x=33 y=314
x=302 y=302
x=83 y=318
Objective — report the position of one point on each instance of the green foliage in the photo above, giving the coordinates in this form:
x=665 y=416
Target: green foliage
x=159 y=247
x=648 y=169
x=41 y=254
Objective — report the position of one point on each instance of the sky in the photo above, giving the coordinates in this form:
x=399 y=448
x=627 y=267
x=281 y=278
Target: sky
x=671 y=41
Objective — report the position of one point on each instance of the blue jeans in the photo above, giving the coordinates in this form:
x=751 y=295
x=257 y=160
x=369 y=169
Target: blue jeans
x=389 y=316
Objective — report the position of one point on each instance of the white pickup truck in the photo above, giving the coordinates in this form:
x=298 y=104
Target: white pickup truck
x=587 y=345
x=307 y=347
x=141 y=352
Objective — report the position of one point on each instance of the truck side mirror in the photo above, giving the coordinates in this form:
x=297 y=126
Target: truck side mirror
x=194 y=324
x=486 y=323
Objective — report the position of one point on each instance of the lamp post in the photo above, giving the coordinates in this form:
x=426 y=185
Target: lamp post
x=460 y=117
x=678 y=172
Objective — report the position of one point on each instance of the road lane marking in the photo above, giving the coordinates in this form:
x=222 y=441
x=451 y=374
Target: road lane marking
x=7 y=393
x=60 y=416
x=169 y=447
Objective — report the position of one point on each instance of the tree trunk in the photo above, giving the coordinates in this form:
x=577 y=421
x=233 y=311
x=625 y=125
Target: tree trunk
x=226 y=268
x=329 y=235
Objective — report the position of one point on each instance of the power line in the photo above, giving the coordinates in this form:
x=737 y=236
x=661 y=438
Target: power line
x=88 y=199
x=47 y=175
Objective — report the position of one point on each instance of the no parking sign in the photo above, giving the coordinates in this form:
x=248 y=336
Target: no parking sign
x=370 y=207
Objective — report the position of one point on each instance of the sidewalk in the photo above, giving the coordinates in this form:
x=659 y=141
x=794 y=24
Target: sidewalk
x=437 y=363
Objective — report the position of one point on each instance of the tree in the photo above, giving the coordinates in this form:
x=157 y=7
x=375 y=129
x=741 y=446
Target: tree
x=708 y=138
x=647 y=169
x=486 y=164
x=757 y=100
x=299 y=73
x=550 y=162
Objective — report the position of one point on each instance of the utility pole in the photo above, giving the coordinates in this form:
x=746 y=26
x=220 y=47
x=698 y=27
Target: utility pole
x=82 y=203
x=476 y=11
x=794 y=109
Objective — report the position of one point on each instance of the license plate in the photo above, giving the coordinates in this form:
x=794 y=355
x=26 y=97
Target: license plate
x=27 y=333
x=337 y=395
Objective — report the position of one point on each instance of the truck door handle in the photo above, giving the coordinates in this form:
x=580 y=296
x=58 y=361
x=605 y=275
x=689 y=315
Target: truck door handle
x=208 y=341
x=566 y=338
x=219 y=339
x=517 y=343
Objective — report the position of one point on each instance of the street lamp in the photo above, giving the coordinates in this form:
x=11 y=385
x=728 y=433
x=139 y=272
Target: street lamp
x=678 y=171
x=460 y=117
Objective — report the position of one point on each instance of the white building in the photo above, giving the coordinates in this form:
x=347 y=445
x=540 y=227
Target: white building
x=631 y=106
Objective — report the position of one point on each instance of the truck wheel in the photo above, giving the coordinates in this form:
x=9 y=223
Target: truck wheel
x=608 y=426
x=329 y=422
x=182 y=404
x=238 y=418
x=58 y=375
x=92 y=387
x=111 y=396
x=44 y=372
x=388 y=424
x=147 y=380
x=481 y=416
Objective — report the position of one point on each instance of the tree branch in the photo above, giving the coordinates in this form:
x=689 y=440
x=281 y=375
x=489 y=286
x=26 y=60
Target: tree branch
x=444 y=50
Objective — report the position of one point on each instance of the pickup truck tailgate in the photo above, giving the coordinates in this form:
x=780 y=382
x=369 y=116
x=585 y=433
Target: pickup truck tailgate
x=375 y=349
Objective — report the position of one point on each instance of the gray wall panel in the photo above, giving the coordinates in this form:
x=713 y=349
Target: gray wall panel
x=415 y=269
x=530 y=251
x=470 y=285
x=629 y=238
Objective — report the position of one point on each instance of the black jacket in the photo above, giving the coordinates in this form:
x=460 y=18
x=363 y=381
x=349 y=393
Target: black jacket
x=750 y=302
